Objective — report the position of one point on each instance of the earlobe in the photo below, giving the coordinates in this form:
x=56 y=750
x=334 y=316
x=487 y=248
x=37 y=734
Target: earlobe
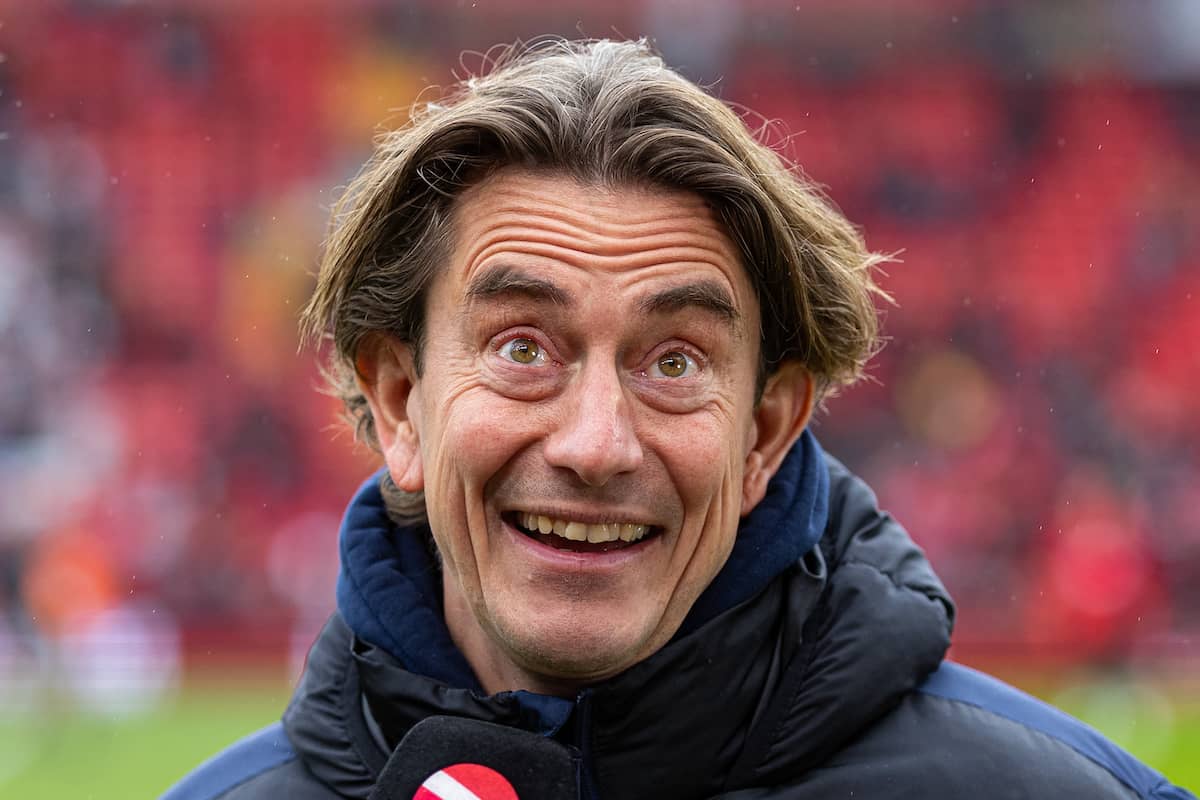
x=780 y=418
x=385 y=375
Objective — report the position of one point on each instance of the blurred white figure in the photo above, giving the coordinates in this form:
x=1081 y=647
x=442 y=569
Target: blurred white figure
x=121 y=661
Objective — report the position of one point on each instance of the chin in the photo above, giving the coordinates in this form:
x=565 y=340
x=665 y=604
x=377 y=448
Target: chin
x=574 y=653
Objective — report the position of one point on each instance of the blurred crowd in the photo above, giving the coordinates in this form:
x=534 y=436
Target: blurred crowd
x=166 y=173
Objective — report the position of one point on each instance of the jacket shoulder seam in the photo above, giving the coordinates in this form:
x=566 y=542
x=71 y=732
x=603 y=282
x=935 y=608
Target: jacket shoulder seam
x=246 y=779
x=1165 y=790
x=961 y=684
x=211 y=780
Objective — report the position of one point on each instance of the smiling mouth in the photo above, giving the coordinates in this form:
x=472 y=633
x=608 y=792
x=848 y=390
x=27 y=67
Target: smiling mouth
x=580 y=537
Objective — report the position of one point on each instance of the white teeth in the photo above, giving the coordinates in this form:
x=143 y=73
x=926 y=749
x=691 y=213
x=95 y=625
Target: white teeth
x=598 y=533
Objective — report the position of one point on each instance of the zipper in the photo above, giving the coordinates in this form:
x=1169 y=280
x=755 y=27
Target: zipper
x=583 y=740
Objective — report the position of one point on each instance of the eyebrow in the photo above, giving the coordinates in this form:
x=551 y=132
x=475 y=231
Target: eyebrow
x=508 y=281
x=708 y=296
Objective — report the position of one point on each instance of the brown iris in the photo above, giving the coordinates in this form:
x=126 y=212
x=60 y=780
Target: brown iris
x=673 y=364
x=524 y=351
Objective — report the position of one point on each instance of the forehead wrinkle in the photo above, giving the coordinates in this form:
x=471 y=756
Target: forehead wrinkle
x=689 y=259
x=594 y=228
x=685 y=251
x=509 y=193
x=718 y=295
x=601 y=237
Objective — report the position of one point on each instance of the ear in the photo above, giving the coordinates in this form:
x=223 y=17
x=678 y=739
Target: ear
x=383 y=368
x=779 y=419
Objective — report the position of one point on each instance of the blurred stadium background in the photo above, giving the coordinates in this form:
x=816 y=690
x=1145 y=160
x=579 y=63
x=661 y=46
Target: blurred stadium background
x=170 y=483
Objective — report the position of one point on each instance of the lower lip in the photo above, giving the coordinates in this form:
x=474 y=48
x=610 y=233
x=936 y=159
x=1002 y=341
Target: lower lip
x=574 y=560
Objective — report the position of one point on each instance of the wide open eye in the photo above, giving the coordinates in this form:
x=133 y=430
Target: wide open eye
x=674 y=364
x=523 y=351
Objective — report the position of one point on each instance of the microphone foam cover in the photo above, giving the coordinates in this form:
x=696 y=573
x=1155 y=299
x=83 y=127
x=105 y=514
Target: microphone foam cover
x=447 y=754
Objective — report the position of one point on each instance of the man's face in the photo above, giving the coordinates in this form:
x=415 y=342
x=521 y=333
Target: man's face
x=582 y=423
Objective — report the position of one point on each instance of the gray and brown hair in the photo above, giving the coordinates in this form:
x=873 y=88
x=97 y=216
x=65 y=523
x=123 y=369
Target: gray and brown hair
x=609 y=113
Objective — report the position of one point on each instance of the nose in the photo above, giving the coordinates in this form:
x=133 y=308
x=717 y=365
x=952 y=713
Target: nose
x=595 y=437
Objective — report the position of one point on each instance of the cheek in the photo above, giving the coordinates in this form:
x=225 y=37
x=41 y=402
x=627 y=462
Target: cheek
x=705 y=452
x=478 y=433
x=708 y=473
x=470 y=436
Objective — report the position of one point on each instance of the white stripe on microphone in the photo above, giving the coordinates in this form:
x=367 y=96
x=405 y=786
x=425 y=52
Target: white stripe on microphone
x=446 y=787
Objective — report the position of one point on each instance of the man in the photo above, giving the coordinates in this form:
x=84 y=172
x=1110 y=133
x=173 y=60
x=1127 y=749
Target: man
x=586 y=319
